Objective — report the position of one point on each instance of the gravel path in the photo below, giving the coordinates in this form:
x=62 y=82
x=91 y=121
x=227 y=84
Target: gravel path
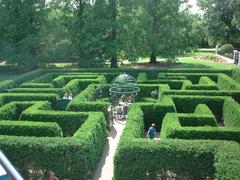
x=105 y=167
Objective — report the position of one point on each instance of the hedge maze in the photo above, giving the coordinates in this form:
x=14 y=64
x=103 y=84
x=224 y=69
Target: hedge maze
x=196 y=111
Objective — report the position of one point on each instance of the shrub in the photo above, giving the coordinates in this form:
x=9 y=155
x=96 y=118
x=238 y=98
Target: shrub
x=6 y=98
x=68 y=121
x=37 y=90
x=188 y=104
x=226 y=48
x=20 y=79
x=191 y=127
x=236 y=74
x=36 y=85
x=142 y=77
x=231 y=113
x=227 y=83
x=28 y=128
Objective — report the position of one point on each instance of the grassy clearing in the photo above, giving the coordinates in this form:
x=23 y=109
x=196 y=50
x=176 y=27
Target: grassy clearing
x=197 y=59
x=4 y=77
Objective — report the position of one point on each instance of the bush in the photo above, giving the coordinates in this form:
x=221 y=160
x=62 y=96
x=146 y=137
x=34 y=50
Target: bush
x=236 y=74
x=231 y=113
x=20 y=79
x=227 y=83
x=142 y=77
x=226 y=48
x=28 y=128
x=187 y=159
x=36 y=85
x=232 y=93
x=38 y=90
x=6 y=98
x=188 y=104
x=68 y=121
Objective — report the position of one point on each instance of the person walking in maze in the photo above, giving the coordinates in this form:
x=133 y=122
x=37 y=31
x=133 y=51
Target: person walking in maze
x=152 y=132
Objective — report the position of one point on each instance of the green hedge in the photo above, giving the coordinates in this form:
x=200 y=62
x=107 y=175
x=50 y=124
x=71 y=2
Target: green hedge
x=231 y=113
x=62 y=80
x=21 y=79
x=227 y=83
x=94 y=134
x=36 y=85
x=232 y=93
x=194 y=120
x=73 y=158
x=188 y=104
x=226 y=48
x=203 y=109
x=142 y=77
x=12 y=111
x=68 y=121
x=194 y=159
x=206 y=80
x=47 y=78
x=236 y=74
x=173 y=84
x=58 y=91
x=6 y=98
x=193 y=77
x=155 y=112
x=197 y=129
x=186 y=159
x=201 y=87
x=28 y=128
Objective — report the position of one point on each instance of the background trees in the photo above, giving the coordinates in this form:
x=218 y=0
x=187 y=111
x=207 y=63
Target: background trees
x=93 y=32
x=222 y=23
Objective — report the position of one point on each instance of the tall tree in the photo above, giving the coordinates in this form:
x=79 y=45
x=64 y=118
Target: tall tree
x=20 y=22
x=220 y=16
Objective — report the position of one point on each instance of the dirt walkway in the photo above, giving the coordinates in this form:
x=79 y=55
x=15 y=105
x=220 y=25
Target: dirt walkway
x=104 y=169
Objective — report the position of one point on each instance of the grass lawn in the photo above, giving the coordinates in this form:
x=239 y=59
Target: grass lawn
x=190 y=60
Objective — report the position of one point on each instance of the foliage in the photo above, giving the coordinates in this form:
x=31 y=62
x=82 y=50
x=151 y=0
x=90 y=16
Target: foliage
x=28 y=128
x=226 y=48
x=220 y=17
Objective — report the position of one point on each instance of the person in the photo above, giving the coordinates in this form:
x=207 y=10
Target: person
x=70 y=96
x=217 y=47
x=65 y=95
x=152 y=132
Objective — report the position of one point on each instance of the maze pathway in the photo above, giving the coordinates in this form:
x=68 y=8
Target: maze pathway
x=105 y=167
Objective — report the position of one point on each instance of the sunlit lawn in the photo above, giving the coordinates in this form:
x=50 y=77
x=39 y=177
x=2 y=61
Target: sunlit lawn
x=190 y=60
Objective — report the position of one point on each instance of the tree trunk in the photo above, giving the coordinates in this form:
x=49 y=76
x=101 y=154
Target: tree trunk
x=114 y=61
x=113 y=6
x=153 y=58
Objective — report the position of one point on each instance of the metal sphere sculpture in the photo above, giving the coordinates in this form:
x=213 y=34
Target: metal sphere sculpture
x=123 y=85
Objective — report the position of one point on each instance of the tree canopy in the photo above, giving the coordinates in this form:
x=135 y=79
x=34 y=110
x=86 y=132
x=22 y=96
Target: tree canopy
x=94 y=32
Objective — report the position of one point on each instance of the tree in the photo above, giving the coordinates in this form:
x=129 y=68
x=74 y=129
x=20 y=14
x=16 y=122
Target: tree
x=20 y=22
x=221 y=21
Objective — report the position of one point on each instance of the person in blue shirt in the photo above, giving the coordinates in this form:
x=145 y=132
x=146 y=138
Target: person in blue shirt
x=152 y=132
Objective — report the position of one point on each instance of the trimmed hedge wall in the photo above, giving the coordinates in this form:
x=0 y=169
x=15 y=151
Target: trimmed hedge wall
x=36 y=85
x=21 y=79
x=173 y=129
x=28 y=128
x=227 y=83
x=6 y=98
x=74 y=157
x=231 y=113
x=37 y=90
x=188 y=104
x=236 y=74
x=231 y=93
x=68 y=121
x=187 y=159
